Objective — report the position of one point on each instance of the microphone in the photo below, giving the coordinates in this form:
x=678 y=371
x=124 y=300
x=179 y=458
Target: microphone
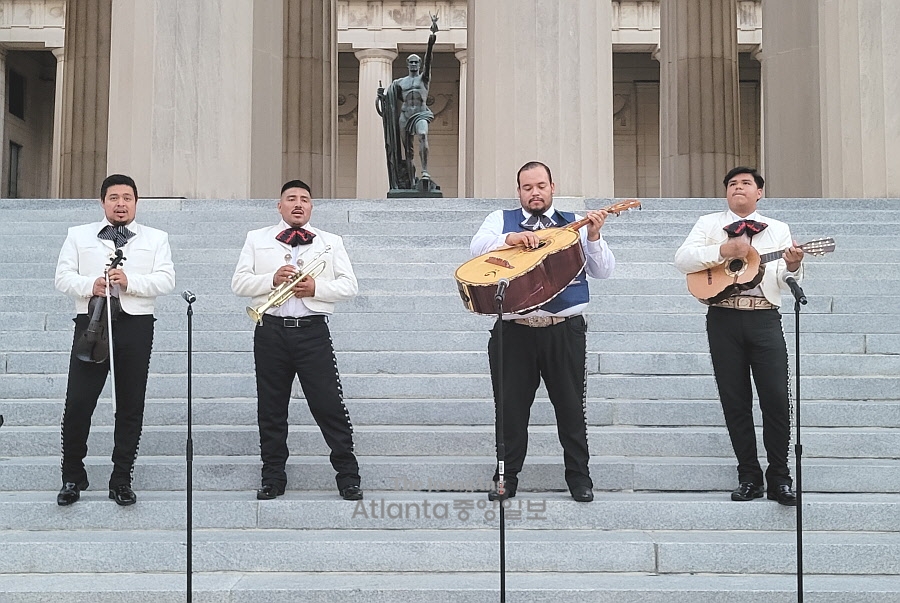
x=795 y=289
x=502 y=284
x=191 y=298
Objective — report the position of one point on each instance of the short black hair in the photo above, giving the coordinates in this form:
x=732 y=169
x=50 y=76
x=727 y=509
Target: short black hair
x=760 y=183
x=296 y=184
x=530 y=166
x=113 y=180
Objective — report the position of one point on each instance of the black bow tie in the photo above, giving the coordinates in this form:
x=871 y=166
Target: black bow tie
x=537 y=222
x=295 y=236
x=119 y=235
x=747 y=227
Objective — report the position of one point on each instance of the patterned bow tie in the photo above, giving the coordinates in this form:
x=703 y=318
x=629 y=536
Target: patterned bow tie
x=119 y=235
x=537 y=222
x=747 y=227
x=295 y=236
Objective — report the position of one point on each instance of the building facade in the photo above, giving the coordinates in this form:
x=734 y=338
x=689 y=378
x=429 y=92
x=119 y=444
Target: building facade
x=643 y=98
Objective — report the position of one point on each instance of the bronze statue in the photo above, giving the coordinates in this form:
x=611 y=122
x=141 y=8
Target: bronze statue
x=405 y=115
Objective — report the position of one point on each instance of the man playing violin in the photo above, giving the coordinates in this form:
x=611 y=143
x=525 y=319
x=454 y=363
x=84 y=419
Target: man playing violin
x=745 y=333
x=548 y=342
x=146 y=272
x=292 y=339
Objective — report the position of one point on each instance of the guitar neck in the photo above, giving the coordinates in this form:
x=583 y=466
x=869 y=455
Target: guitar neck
x=771 y=256
x=578 y=224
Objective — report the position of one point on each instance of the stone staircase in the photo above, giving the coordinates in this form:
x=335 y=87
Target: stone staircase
x=414 y=369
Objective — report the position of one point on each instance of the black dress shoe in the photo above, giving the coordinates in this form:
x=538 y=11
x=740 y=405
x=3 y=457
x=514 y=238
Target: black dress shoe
x=747 y=491
x=269 y=491
x=510 y=491
x=783 y=494
x=351 y=492
x=582 y=493
x=70 y=493
x=123 y=495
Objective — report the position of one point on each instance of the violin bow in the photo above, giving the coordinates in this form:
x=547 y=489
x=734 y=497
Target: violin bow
x=109 y=331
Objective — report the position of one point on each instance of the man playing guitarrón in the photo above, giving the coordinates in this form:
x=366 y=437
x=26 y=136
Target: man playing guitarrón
x=548 y=342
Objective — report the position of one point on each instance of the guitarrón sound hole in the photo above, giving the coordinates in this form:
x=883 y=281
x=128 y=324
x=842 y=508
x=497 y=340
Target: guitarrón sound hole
x=735 y=265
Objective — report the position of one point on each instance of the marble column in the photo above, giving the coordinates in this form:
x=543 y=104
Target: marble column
x=85 y=102
x=310 y=94
x=832 y=120
x=4 y=144
x=195 y=97
x=56 y=156
x=463 y=58
x=699 y=100
x=375 y=69
x=543 y=76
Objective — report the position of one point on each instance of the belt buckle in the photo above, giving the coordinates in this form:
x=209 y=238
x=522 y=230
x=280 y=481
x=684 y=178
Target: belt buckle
x=745 y=303
x=539 y=321
x=291 y=323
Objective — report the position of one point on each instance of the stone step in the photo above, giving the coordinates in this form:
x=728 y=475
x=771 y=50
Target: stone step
x=398 y=510
x=182 y=226
x=28 y=248
x=233 y=234
x=879 y=387
x=239 y=341
x=461 y=362
x=247 y=206
x=182 y=223
x=466 y=474
x=598 y=321
x=208 y=274
x=460 y=441
x=674 y=284
x=55 y=311
x=472 y=587
x=424 y=412
x=188 y=260
x=255 y=215
x=466 y=550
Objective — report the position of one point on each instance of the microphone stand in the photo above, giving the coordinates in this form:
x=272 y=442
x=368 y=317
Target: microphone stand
x=501 y=442
x=799 y=299
x=190 y=298
x=109 y=334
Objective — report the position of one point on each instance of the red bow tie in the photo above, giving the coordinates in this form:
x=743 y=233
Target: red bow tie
x=747 y=227
x=295 y=236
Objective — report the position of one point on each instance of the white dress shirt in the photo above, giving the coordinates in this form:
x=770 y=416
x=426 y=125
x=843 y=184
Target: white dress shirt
x=262 y=256
x=700 y=250
x=147 y=265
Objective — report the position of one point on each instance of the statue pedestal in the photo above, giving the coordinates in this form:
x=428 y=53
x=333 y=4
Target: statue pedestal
x=411 y=193
x=425 y=189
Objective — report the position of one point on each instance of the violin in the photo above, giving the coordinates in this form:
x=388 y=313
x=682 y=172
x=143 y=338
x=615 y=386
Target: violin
x=93 y=345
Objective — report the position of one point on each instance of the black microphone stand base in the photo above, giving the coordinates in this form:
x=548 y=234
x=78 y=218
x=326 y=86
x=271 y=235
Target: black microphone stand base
x=502 y=491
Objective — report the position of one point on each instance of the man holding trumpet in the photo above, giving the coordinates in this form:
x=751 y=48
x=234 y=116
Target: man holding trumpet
x=294 y=274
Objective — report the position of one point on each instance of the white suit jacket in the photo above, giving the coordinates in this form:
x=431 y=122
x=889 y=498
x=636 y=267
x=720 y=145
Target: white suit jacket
x=262 y=256
x=148 y=266
x=700 y=249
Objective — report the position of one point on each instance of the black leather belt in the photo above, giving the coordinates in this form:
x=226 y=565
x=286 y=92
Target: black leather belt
x=294 y=323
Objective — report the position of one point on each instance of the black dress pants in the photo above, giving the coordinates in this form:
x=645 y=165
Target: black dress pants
x=558 y=355
x=742 y=342
x=132 y=344
x=306 y=351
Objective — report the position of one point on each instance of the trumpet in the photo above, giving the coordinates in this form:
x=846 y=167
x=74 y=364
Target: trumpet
x=284 y=291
